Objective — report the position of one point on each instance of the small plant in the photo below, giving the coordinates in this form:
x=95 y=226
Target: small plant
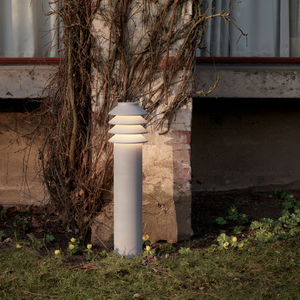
x=21 y=224
x=57 y=252
x=225 y=242
x=184 y=251
x=238 y=229
x=289 y=202
x=2 y=235
x=18 y=246
x=232 y=213
x=149 y=251
x=166 y=249
x=147 y=245
x=266 y=229
x=88 y=252
x=73 y=247
x=49 y=238
x=232 y=216
x=146 y=240
x=35 y=242
x=103 y=253
x=243 y=218
x=221 y=221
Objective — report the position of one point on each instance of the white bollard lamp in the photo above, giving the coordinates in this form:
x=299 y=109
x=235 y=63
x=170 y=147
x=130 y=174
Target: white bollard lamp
x=128 y=140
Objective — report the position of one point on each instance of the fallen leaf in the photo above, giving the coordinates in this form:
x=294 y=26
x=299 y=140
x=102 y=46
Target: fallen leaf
x=136 y=295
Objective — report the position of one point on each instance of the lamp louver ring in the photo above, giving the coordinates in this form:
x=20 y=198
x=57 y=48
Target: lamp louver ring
x=128 y=123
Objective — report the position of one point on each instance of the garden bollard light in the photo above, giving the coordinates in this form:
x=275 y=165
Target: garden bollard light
x=128 y=141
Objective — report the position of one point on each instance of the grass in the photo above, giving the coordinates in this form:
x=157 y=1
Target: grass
x=260 y=271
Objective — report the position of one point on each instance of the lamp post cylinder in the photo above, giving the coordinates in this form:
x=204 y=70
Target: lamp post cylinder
x=128 y=139
x=128 y=199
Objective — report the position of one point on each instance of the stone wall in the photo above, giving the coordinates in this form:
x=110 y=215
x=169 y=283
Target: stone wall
x=166 y=185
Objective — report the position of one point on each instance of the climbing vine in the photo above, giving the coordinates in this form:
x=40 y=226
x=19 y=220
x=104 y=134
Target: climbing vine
x=128 y=50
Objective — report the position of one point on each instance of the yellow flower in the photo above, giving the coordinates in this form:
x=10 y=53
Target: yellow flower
x=89 y=246
x=244 y=216
x=241 y=245
x=233 y=210
x=225 y=245
x=148 y=248
x=291 y=196
x=18 y=246
x=71 y=246
x=57 y=252
x=145 y=237
x=73 y=240
x=234 y=239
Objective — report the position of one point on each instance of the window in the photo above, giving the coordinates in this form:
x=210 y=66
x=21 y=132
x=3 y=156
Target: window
x=272 y=27
x=26 y=31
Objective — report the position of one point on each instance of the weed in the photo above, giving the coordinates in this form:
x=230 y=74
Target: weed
x=2 y=235
x=289 y=202
x=221 y=221
x=269 y=230
x=232 y=217
x=238 y=229
x=49 y=238
x=164 y=249
x=35 y=243
x=184 y=251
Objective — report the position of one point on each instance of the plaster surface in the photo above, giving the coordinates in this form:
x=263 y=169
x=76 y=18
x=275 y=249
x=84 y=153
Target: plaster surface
x=20 y=182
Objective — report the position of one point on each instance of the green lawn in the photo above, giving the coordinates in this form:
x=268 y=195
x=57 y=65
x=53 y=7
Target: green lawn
x=260 y=271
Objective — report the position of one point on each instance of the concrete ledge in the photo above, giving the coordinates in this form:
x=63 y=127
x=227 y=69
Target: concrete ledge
x=24 y=81
x=249 y=80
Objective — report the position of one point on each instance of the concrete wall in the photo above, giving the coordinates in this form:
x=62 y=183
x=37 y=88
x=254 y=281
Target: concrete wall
x=20 y=182
x=238 y=80
x=242 y=143
x=24 y=81
x=246 y=133
x=18 y=83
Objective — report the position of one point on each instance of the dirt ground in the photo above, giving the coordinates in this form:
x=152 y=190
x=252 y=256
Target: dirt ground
x=206 y=207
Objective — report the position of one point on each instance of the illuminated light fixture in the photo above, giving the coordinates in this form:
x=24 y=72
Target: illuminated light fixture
x=128 y=140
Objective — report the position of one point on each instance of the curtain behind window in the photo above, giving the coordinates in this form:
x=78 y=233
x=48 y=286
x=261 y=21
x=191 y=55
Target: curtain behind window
x=25 y=31
x=295 y=27
x=272 y=26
